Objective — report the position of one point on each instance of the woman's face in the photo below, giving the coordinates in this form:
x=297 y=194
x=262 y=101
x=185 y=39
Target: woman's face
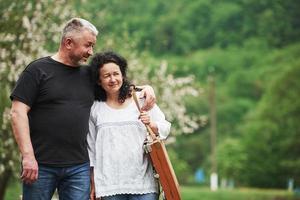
x=110 y=78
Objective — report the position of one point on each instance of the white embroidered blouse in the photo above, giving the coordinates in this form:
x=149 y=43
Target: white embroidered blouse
x=115 y=144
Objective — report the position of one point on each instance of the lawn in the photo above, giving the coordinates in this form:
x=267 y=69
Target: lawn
x=13 y=191
x=201 y=193
x=197 y=193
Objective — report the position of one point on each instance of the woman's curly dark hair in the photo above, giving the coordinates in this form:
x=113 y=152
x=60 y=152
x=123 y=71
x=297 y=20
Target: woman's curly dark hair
x=97 y=62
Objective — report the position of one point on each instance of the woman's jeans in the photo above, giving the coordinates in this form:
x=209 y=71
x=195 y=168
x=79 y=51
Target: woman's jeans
x=72 y=183
x=150 y=196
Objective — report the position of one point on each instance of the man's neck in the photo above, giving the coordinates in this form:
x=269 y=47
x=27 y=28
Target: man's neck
x=60 y=57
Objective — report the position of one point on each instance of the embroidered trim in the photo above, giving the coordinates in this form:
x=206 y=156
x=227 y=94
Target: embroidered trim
x=123 y=123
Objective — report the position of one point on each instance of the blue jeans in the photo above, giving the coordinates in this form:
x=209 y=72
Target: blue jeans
x=149 y=196
x=72 y=183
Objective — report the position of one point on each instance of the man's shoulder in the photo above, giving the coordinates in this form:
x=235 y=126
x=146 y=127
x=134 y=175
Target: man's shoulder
x=41 y=60
x=38 y=63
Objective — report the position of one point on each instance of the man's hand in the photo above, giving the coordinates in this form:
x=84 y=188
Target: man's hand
x=20 y=125
x=29 y=169
x=149 y=94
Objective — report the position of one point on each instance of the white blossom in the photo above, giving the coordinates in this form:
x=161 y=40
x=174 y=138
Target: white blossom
x=170 y=92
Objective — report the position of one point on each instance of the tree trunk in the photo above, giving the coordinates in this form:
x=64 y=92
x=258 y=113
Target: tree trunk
x=4 y=179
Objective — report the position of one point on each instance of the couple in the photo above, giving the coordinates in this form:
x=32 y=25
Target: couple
x=51 y=117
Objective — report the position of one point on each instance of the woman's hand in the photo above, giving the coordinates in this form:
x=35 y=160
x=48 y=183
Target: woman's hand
x=145 y=118
x=92 y=191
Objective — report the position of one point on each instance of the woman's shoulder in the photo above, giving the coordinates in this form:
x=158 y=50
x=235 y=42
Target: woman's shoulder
x=97 y=105
x=96 y=110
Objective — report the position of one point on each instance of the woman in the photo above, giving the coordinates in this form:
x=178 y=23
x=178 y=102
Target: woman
x=120 y=170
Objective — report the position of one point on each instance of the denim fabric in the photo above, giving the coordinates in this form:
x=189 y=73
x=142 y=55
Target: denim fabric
x=72 y=183
x=149 y=196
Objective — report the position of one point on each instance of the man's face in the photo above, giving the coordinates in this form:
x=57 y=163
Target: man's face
x=82 y=47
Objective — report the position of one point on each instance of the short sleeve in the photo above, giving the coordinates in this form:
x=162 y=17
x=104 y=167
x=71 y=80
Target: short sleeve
x=26 y=88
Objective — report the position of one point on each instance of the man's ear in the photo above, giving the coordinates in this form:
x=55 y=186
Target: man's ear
x=68 y=43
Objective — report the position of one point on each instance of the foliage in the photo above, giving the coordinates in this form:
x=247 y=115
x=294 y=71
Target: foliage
x=181 y=167
x=243 y=77
x=166 y=86
x=190 y=149
x=181 y=27
x=272 y=132
x=231 y=157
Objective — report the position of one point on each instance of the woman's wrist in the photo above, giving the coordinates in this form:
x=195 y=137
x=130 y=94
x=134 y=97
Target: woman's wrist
x=154 y=127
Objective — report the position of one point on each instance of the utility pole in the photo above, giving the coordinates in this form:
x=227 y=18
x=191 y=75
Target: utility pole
x=213 y=131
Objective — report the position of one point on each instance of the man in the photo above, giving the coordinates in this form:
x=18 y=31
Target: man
x=50 y=110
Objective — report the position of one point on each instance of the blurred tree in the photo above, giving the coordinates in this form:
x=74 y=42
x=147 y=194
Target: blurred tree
x=231 y=157
x=272 y=132
x=171 y=92
x=181 y=167
x=275 y=21
x=26 y=27
x=197 y=21
x=180 y=27
x=227 y=20
x=191 y=150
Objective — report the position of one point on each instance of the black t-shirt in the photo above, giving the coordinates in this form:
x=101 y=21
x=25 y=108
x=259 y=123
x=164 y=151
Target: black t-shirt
x=60 y=98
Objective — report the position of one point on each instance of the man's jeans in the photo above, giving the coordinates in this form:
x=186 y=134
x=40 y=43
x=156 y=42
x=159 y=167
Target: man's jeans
x=72 y=183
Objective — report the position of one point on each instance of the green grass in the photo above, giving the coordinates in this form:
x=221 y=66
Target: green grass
x=13 y=191
x=200 y=193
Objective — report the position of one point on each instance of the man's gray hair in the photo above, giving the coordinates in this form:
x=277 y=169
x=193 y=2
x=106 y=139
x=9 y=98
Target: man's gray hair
x=76 y=25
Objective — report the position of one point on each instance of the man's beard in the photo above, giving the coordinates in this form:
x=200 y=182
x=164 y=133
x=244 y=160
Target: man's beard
x=82 y=62
x=79 y=60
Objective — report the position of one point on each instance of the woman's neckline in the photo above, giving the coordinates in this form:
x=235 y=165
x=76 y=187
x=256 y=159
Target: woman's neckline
x=128 y=104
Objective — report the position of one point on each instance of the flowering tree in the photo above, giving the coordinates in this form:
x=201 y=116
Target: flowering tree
x=26 y=27
x=171 y=92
